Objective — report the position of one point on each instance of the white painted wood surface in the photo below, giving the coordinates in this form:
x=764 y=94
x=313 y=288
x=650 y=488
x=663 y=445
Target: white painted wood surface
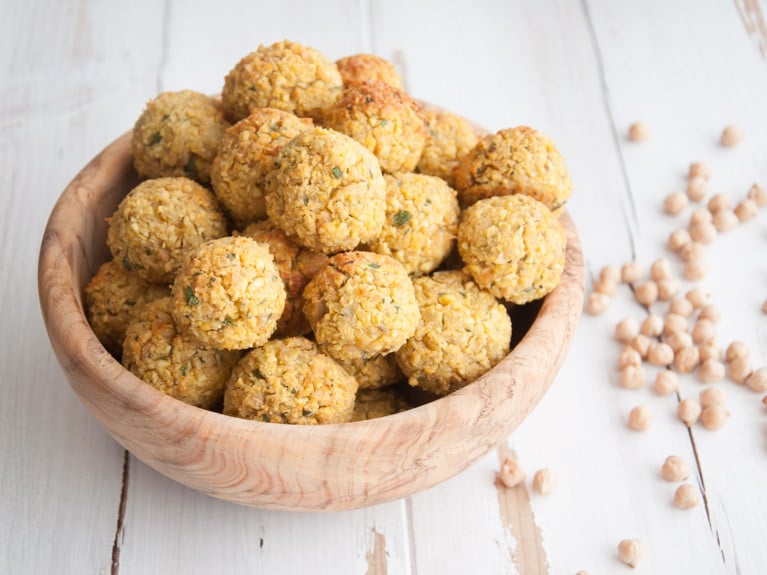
x=75 y=75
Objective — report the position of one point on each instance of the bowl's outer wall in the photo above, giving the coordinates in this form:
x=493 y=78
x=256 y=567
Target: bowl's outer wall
x=331 y=467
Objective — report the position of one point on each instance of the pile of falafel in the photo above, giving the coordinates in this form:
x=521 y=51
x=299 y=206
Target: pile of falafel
x=315 y=242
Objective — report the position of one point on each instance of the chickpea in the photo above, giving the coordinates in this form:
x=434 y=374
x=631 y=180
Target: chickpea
x=638 y=132
x=674 y=323
x=725 y=220
x=630 y=551
x=686 y=359
x=629 y=356
x=710 y=350
x=668 y=288
x=710 y=312
x=703 y=232
x=764 y=306
x=511 y=473
x=679 y=340
x=660 y=269
x=703 y=331
x=652 y=326
x=736 y=349
x=675 y=202
x=731 y=136
x=697 y=188
x=666 y=382
x=694 y=270
x=610 y=273
x=660 y=354
x=632 y=377
x=698 y=297
x=746 y=210
x=711 y=371
x=712 y=396
x=758 y=194
x=718 y=202
x=689 y=411
x=631 y=272
x=757 y=381
x=597 y=303
x=693 y=251
x=714 y=416
x=678 y=239
x=686 y=496
x=701 y=216
x=641 y=343
x=647 y=293
x=545 y=481
x=675 y=469
x=681 y=306
x=699 y=169
x=739 y=369
x=605 y=286
x=640 y=418
x=626 y=330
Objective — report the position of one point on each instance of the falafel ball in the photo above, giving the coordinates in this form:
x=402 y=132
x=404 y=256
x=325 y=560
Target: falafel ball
x=361 y=304
x=113 y=299
x=374 y=403
x=159 y=222
x=373 y=372
x=421 y=221
x=246 y=154
x=285 y=75
x=384 y=119
x=290 y=381
x=513 y=246
x=228 y=294
x=517 y=160
x=463 y=332
x=361 y=67
x=178 y=366
x=450 y=138
x=178 y=134
x=326 y=191
x=297 y=265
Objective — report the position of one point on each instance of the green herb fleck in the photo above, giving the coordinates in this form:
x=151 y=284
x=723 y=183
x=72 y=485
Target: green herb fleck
x=165 y=117
x=336 y=172
x=228 y=321
x=293 y=391
x=257 y=374
x=307 y=413
x=155 y=139
x=185 y=368
x=191 y=298
x=265 y=418
x=230 y=256
x=402 y=217
x=129 y=265
x=374 y=265
x=191 y=168
x=383 y=122
x=148 y=251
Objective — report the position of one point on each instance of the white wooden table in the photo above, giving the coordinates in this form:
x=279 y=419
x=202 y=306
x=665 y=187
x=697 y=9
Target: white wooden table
x=74 y=75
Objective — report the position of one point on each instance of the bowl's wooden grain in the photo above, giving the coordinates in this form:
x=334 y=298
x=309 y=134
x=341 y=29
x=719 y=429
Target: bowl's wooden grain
x=274 y=466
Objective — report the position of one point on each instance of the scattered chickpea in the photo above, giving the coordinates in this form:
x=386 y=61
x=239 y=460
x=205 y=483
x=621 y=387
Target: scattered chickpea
x=686 y=359
x=632 y=377
x=764 y=306
x=720 y=201
x=686 y=496
x=699 y=169
x=704 y=330
x=697 y=188
x=626 y=330
x=638 y=132
x=678 y=239
x=758 y=194
x=736 y=349
x=631 y=272
x=712 y=396
x=764 y=400
x=582 y=572
x=714 y=416
x=703 y=232
x=739 y=369
x=689 y=411
x=675 y=469
x=545 y=481
x=710 y=350
x=731 y=136
x=660 y=354
x=666 y=382
x=641 y=343
x=629 y=356
x=511 y=473
x=681 y=306
x=675 y=202
x=630 y=551
x=668 y=288
x=652 y=326
x=597 y=303
x=725 y=220
x=694 y=270
x=711 y=371
x=605 y=286
x=610 y=273
x=757 y=381
x=678 y=340
x=640 y=418
x=691 y=252
x=745 y=210
x=698 y=297
x=647 y=293
x=674 y=323
x=701 y=216
x=660 y=269
x=710 y=312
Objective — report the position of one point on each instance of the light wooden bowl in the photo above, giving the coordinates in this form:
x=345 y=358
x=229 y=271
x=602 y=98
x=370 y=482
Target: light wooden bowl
x=297 y=468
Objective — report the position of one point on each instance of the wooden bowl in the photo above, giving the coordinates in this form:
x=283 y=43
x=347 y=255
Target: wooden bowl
x=275 y=466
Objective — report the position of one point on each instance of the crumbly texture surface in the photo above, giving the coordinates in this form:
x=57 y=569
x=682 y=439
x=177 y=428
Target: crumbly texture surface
x=246 y=155
x=285 y=75
x=159 y=222
x=228 y=294
x=362 y=67
x=513 y=246
x=517 y=160
x=155 y=352
x=326 y=191
x=382 y=118
x=290 y=381
x=464 y=331
x=421 y=222
x=373 y=372
x=178 y=134
x=113 y=299
x=297 y=265
x=361 y=304
x=374 y=403
x=450 y=138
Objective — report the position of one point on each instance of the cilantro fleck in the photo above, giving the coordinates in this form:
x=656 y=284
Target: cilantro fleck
x=336 y=172
x=257 y=374
x=191 y=298
x=185 y=368
x=230 y=256
x=228 y=321
x=402 y=217
x=155 y=139
x=307 y=413
x=165 y=117
x=374 y=265
x=264 y=417
x=129 y=265
x=293 y=391
x=383 y=122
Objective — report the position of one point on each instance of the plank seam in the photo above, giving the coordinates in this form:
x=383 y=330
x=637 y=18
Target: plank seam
x=120 y=527
x=411 y=535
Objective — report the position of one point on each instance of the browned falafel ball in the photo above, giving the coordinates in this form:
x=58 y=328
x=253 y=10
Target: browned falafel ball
x=421 y=221
x=384 y=119
x=228 y=294
x=297 y=265
x=517 y=160
x=362 y=67
x=450 y=138
x=178 y=134
x=113 y=299
x=361 y=304
x=246 y=155
x=463 y=332
x=513 y=246
x=373 y=372
x=373 y=403
x=178 y=366
x=326 y=191
x=290 y=381
x=284 y=75
x=159 y=222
